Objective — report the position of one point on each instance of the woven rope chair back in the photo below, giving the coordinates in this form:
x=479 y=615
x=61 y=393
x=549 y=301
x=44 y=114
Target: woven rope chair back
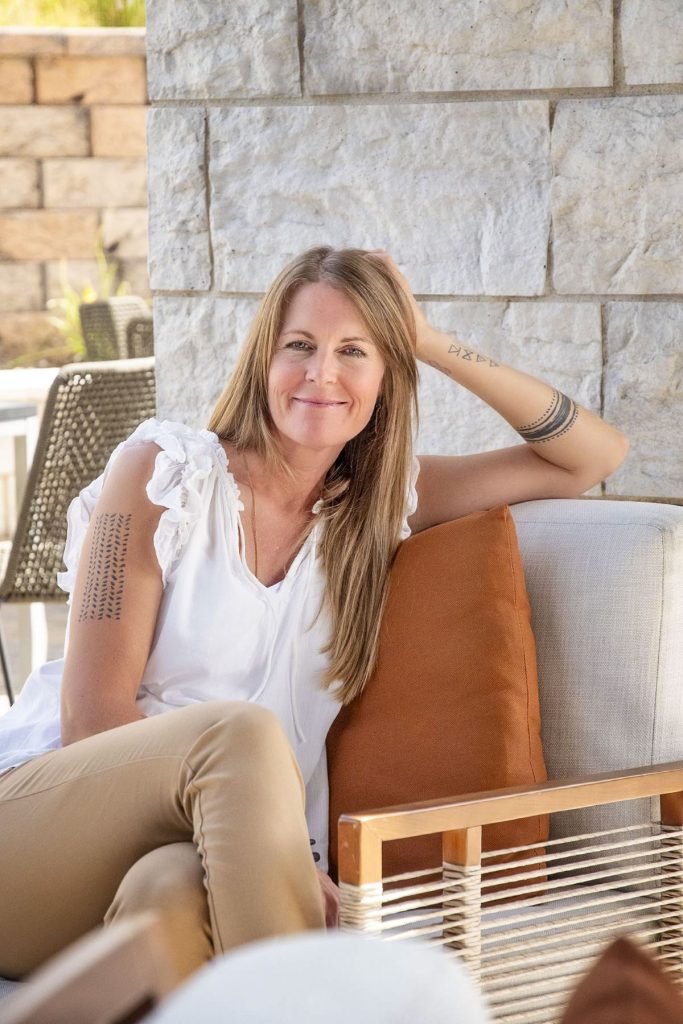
x=90 y=409
x=140 y=337
x=104 y=324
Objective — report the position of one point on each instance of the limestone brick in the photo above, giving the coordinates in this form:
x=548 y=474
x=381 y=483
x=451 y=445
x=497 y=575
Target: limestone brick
x=17 y=41
x=199 y=49
x=47 y=234
x=119 y=131
x=399 y=46
x=124 y=233
x=617 y=195
x=124 y=42
x=197 y=341
x=43 y=131
x=94 y=182
x=89 y=80
x=179 y=229
x=458 y=193
x=30 y=42
x=652 y=41
x=16 y=80
x=21 y=287
x=19 y=186
x=643 y=388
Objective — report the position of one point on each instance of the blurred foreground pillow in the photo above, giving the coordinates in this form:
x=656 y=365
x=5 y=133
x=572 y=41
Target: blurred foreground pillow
x=330 y=977
x=625 y=986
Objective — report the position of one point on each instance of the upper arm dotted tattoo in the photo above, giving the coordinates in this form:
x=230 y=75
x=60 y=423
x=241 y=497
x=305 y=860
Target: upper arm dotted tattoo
x=103 y=593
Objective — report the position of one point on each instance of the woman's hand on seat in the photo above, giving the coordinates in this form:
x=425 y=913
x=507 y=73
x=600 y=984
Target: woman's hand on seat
x=331 y=898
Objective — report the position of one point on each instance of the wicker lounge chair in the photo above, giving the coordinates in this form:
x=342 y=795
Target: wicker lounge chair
x=89 y=409
x=104 y=325
x=140 y=337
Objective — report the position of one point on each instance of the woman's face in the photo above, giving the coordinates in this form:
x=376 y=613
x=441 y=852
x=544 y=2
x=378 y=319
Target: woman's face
x=324 y=354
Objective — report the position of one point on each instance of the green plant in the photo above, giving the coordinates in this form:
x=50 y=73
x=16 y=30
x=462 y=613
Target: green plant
x=119 y=13
x=67 y=321
x=66 y=13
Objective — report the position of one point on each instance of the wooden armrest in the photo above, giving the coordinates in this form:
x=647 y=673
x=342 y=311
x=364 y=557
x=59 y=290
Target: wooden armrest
x=361 y=835
x=112 y=974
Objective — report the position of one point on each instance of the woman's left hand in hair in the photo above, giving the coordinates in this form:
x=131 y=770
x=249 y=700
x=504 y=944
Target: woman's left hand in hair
x=423 y=328
x=330 y=898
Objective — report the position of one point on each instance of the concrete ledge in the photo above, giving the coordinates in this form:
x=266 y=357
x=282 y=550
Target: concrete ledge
x=82 y=42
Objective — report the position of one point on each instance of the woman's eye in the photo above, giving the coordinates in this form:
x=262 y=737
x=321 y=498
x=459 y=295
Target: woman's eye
x=350 y=348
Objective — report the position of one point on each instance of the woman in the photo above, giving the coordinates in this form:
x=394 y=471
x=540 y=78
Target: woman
x=253 y=629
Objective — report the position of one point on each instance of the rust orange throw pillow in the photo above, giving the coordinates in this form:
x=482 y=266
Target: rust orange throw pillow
x=452 y=707
x=625 y=986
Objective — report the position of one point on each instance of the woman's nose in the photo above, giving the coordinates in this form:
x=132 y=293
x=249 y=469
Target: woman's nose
x=321 y=366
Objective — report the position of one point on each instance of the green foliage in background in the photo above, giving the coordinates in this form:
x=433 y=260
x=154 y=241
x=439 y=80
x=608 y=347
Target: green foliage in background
x=73 y=13
x=66 y=318
x=67 y=321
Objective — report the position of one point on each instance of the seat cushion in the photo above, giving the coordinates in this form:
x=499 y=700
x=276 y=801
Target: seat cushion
x=452 y=706
x=605 y=582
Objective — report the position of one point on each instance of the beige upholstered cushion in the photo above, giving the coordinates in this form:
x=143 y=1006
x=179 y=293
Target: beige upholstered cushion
x=605 y=582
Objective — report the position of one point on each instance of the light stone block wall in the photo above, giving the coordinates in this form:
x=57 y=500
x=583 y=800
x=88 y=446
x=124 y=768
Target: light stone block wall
x=521 y=162
x=73 y=110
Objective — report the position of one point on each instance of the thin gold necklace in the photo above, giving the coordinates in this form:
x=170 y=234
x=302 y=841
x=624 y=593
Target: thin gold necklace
x=253 y=519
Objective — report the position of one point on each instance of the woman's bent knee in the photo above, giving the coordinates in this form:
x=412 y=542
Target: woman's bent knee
x=241 y=720
x=242 y=714
x=170 y=880
x=211 y=735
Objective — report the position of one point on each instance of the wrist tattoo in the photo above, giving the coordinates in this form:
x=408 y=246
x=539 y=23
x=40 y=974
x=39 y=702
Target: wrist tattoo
x=468 y=353
x=555 y=421
x=103 y=594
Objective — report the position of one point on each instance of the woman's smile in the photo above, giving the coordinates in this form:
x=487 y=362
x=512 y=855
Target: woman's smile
x=318 y=405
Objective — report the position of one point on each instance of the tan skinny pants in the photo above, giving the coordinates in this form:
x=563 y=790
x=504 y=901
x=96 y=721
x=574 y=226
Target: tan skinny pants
x=197 y=812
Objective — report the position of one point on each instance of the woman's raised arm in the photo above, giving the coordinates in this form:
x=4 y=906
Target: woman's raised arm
x=115 y=602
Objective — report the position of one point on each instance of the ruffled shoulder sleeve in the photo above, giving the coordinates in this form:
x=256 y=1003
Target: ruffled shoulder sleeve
x=411 y=497
x=186 y=459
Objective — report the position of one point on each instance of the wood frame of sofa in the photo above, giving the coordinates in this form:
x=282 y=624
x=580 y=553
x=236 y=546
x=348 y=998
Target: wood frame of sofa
x=521 y=988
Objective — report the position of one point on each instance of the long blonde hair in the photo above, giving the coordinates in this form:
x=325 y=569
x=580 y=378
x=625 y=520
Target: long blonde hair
x=365 y=489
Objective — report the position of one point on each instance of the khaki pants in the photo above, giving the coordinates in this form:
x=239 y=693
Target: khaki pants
x=197 y=812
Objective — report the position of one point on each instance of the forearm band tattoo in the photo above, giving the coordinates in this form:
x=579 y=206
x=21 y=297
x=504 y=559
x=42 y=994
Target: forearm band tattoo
x=555 y=421
x=103 y=593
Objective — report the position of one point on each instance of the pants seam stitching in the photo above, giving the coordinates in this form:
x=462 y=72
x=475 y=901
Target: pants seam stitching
x=200 y=828
x=89 y=775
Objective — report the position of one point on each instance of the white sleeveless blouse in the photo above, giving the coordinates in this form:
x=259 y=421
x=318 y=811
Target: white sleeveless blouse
x=220 y=633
